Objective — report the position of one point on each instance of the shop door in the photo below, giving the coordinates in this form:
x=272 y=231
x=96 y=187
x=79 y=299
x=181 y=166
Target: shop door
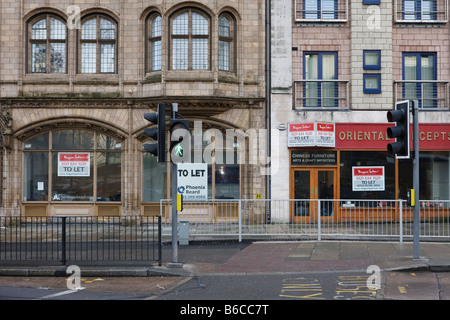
x=310 y=185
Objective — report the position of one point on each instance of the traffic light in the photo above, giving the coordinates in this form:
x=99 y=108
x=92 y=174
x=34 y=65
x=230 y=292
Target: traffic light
x=401 y=131
x=159 y=133
x=179 y=140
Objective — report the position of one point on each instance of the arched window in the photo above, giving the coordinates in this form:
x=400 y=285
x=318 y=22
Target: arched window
x=72 y=165
x=190 y=40
x=98 y=45
x=221 y=153
x=226 y=42
x=154 y=33
x=47 y=44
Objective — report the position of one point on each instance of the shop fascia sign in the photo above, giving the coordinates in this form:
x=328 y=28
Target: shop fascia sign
x=311 y=134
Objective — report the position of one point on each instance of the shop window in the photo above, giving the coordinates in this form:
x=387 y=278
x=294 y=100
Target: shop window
x=222 y=158
x=353 y=159
x=434 y=176
x=226 y=178
x=154 y=179
x=72 y=165
x=47 y=45
x=36 y=176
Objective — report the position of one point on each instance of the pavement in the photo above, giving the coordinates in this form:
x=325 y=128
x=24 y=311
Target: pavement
x=229 y=257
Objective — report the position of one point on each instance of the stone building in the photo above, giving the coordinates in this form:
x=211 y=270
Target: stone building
x=76 y=78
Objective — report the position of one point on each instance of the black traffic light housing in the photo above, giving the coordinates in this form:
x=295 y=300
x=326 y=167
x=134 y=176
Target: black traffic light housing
x=158 y=134
x=401 y=131
x=179 y=139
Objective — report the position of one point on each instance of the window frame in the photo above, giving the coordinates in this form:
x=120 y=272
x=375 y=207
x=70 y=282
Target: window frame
x=418 y=13
x=47 y=41
x=376 y=66
x=320 y=55
x=150 y=41
x=48 y=147
x=231 y=40
x=98 y=41
x=419 y=56
x=190 y=37
x=319 y=12
x=372 y=90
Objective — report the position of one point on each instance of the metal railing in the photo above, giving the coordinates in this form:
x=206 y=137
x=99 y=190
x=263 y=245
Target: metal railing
x=421 y=11
x=430 y=94
x=298 y=219
x=328 y=11
x=321 y=94
x=72 y=239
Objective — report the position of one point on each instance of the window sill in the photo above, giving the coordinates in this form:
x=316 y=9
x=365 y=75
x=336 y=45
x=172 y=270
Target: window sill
x=320 y=22
x=189 y=76
x=421 y=23
x=46 y=78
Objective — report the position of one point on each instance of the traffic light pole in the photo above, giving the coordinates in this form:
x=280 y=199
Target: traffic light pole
x=174 y=214
x=416 y=184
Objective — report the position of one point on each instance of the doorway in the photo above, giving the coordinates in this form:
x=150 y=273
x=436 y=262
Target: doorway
x=311 y=184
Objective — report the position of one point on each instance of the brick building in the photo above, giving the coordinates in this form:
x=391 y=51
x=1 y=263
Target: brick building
x=338 y=67
x=76 y=78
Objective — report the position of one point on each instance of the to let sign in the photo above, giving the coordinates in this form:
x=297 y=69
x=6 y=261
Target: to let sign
x=368 y=178
x=311 y=134
x=74 y=164
x=325 y=136
x=301 y=134
x=193 y=181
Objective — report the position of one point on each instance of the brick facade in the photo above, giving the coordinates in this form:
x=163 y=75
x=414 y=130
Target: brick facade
x=356 y=27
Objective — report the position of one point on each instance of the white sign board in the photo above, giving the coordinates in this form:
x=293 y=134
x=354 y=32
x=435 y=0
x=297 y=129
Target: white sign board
x=368 y=178
x=193 y=181
x=74 y=164
x=301 y=134
x=325 y=134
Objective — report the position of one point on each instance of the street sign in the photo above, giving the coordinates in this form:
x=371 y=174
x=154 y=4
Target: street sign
x=193 y=181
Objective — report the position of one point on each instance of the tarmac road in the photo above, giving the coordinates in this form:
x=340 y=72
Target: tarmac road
x=322 y=285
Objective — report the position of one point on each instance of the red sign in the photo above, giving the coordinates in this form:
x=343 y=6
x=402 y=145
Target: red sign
x=325 y=127
x=301 y=126
x=73 y=164
x=73 y=157
x=368 y=171
x=373 y=136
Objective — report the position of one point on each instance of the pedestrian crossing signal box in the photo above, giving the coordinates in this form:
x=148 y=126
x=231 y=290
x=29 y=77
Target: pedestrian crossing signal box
x=179 y=202
x=411 y=198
